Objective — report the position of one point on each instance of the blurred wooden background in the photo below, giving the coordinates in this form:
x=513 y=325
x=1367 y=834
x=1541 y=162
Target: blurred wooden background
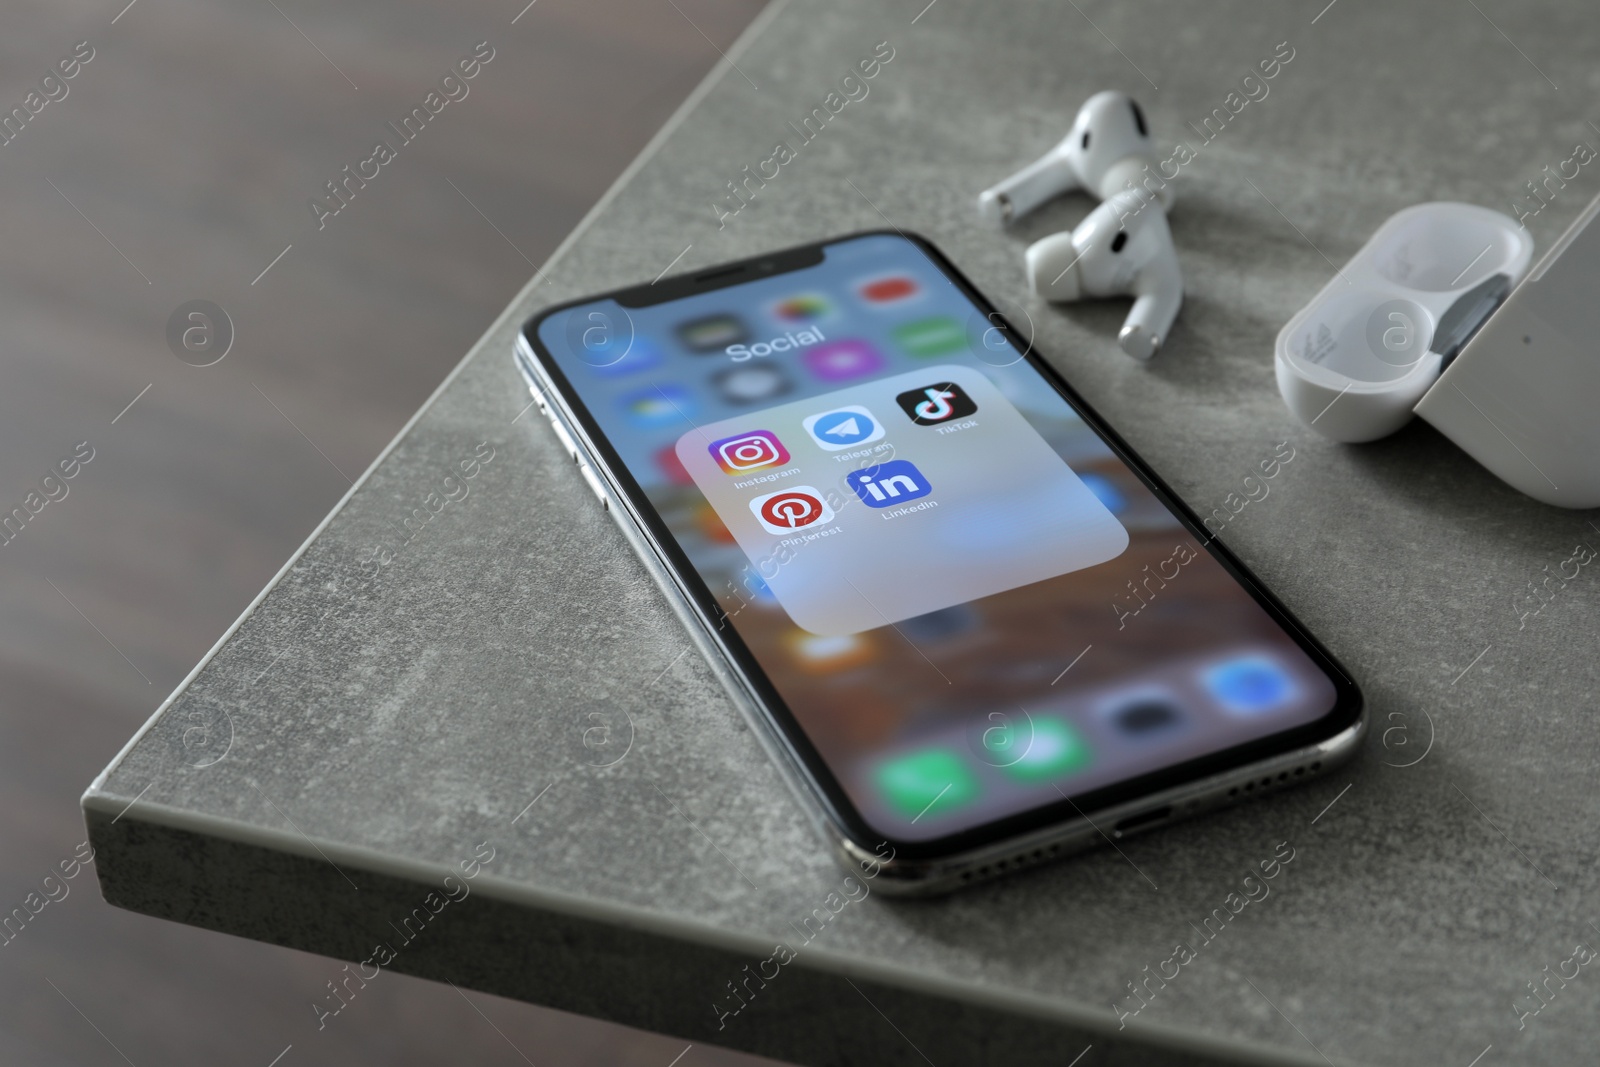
x=177 y=167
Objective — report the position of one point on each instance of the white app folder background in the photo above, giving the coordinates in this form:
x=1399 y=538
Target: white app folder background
x=1009 y=513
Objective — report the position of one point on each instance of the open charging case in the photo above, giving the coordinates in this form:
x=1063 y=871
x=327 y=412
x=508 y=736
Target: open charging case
x=1438 y=315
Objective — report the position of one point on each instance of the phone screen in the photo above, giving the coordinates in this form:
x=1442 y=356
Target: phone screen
x=966 y=602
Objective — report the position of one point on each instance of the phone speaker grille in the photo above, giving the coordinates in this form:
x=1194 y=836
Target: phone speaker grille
x=1267 y=782
x=1011 y=863
x=1049 y=852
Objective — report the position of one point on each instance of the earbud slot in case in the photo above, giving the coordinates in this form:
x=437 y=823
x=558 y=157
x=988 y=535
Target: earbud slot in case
x=1433 y=317
x=1354 y=363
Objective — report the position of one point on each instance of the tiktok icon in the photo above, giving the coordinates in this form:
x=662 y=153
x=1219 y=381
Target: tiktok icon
x=935 y=404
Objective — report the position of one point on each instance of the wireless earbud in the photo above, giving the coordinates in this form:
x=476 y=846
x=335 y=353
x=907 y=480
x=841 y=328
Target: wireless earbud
x=1108 y=150
x=1124 y=247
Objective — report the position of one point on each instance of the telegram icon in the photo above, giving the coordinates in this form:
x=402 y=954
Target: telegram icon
x=843 y=428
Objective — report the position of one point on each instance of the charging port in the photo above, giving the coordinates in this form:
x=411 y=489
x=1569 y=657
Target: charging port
x=1144 y=818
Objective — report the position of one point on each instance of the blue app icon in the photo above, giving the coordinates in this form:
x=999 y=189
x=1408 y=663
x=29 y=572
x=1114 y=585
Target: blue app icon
x=1105 y=491
x=888 y=484
x=843 y=428
x=659 y=405
x=1249 y=685
x=616 y=359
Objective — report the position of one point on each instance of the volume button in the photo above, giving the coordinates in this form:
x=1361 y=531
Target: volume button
x=538 y=398
x=594 y=483
x=566 y=438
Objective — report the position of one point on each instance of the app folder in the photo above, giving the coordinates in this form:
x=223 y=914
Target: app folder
x=1003 y=509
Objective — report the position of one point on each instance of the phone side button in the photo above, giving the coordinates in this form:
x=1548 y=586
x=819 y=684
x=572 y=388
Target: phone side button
x=594 y=483
x=566 y=438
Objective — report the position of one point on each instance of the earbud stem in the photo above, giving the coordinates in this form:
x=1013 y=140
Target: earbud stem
x=1155 y=308
x=1028 y=188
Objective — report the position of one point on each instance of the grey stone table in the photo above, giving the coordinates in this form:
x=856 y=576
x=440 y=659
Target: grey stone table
x=466 y=671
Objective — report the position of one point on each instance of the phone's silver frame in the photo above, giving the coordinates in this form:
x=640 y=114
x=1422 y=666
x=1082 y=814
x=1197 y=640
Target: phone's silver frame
x=897 y=876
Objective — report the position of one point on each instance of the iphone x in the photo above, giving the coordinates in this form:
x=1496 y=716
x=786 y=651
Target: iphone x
x=974 y=628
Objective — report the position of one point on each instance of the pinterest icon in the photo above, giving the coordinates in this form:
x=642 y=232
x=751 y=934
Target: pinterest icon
x=791 y=509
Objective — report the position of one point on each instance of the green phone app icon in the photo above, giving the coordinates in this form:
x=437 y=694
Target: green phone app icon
x=1038 y=749
x=927 y=782
x=931 y=337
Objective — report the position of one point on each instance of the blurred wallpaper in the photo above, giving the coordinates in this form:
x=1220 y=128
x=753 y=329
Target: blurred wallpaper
x=244 y=241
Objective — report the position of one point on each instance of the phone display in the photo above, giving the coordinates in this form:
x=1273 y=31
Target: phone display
x=964 y=606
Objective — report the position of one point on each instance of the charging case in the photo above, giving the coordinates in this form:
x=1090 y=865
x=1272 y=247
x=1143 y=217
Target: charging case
x=1429 y=318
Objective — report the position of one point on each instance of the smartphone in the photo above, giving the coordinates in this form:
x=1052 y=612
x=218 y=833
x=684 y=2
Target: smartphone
x=973 y=627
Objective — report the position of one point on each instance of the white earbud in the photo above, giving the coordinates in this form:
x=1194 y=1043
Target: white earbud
x=1122 y=248
x=1108 y=149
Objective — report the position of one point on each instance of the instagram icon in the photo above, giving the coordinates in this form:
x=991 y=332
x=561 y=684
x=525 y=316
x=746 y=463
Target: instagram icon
x=749 y=451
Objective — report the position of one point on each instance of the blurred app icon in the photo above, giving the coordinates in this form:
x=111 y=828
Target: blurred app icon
x=931 y=337
x=713 y=333
x=889 y=289
x=670 y=465
x=659 y=405
x=1249 y=685
x=711 y=526
x=929 y=782
x=751 y=383
x=622 y=359
x=839 y=361
x=942 y=625
x=825 y=655
x=843 y=428
x=804 y=307
x=742 y=589
x=757 y=589
x=933 y=404
x=1045 y=748
x=749 y=451
x=1105 y=490
x=1146 y=717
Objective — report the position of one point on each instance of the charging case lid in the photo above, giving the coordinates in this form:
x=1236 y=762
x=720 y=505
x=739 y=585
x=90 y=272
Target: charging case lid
x=1354 y=363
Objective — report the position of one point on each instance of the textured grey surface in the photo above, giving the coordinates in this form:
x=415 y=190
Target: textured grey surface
x=386 y=722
